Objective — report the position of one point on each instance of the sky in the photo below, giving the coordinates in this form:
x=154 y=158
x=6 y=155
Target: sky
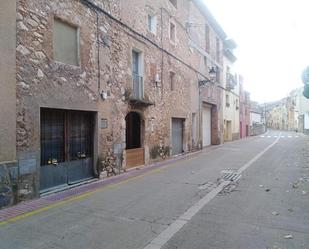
x=273 y=43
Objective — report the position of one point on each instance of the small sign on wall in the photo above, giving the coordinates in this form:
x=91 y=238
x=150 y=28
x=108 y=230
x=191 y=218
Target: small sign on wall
x=104 y=123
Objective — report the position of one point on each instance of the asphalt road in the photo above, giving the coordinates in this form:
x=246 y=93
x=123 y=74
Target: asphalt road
x=267 y=203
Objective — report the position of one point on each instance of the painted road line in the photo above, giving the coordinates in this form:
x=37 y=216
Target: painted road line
x=268 y=136
x=159 y=241
x=70 y=199
x=262 y=136
x=82 y=196
x=282 y=136
x=253 y=160
x=289 y=136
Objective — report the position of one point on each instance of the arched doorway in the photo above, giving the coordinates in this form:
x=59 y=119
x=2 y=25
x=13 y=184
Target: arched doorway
x=133 y=130
x=134 y=143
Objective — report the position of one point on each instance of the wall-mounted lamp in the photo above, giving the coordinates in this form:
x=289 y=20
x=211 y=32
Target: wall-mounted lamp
x=103 y=95
x=157 y=78
x=152 y=124
x=105 y=40
x=212 y=77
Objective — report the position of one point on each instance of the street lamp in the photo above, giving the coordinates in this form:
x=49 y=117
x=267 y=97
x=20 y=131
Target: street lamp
x=212 y=78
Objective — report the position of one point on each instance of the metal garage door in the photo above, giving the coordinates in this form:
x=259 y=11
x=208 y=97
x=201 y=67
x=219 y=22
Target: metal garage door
x=177 y=136
x=206 y=126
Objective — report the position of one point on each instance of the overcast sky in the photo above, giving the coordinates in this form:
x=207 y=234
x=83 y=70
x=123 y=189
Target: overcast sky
x=273 y=42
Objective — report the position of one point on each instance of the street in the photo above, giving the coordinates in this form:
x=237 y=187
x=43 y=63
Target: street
x=247 y=194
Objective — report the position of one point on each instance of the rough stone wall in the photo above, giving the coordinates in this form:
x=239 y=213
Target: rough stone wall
x=106 y=65
x=8 y=184
x=257 y=129
x=235 y=136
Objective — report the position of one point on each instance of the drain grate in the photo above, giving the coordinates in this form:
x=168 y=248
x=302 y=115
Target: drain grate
x=231 y=177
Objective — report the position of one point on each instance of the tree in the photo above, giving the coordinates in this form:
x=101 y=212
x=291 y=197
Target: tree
x=305 y=78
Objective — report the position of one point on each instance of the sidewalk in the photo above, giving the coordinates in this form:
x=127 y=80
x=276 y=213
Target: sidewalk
x=46 y=202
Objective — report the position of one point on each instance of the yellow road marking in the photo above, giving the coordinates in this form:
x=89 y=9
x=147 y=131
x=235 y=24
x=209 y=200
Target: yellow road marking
x=82 y=196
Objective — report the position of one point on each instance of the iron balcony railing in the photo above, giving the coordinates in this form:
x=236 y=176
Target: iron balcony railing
x=138 y=87
x=230 y=81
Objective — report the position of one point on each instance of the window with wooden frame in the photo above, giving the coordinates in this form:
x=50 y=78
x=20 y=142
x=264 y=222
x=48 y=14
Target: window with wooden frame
x=218 y=75
x=218 y=52
x=205 y=63
x=173 y=2
x=65 y=43
x=137 y=73
x=227 y=100
x=152 y=23
x=172 y=81
x=172 y=32
x=207 y=38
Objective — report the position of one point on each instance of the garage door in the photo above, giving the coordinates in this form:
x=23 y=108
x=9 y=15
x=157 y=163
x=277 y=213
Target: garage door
x=206 y=126
x=177 y=136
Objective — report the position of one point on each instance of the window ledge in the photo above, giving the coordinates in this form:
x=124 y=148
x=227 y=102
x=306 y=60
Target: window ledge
x=140 y=102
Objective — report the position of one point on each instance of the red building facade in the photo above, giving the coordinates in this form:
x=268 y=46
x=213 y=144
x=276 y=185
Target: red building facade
x=244 y=110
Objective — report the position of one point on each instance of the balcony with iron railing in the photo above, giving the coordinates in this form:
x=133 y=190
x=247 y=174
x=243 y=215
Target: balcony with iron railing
x=231 y=81
x=138 y=96
x=138 y=87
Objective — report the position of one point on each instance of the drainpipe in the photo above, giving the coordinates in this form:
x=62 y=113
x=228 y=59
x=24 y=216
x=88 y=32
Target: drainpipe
x=162 y=54
x=200 y=117
x=98 y=55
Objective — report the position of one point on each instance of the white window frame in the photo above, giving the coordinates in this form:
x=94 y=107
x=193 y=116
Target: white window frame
x=172 y=22
x=140 y=68
x=152 y=26
x=140 y=60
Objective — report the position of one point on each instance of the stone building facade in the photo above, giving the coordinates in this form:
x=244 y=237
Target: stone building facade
x=231 y=93
x=244 y=109
x=290 y=113
x=257 y=125
x=100 y=87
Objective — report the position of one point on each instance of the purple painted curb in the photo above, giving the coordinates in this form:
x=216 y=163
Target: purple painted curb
x=32 y=205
